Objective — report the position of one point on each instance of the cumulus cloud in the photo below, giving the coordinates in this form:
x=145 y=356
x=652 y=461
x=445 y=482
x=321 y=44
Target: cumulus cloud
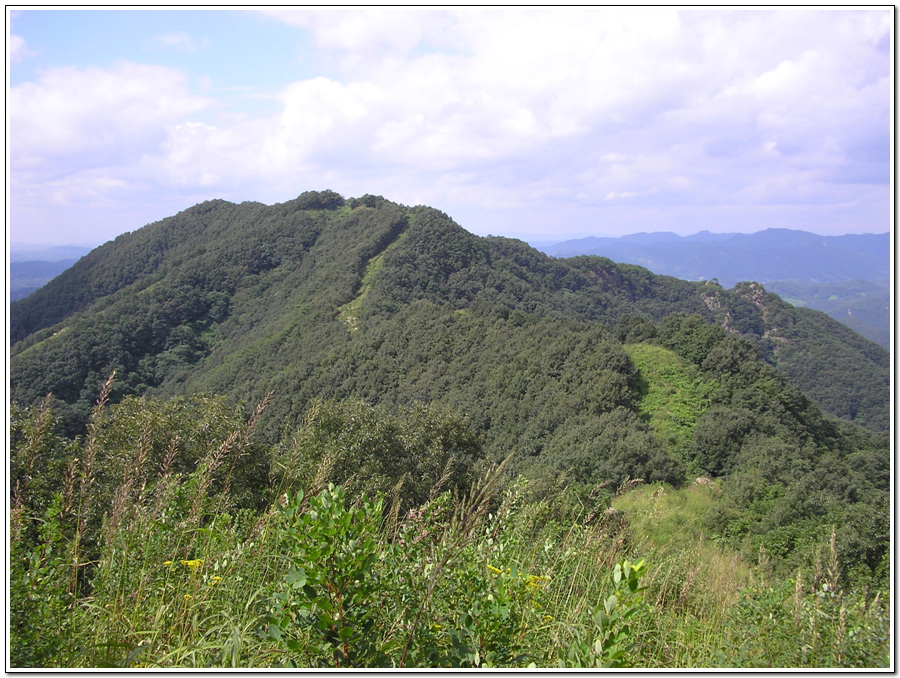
x=95 y=116
x=18 y=50
x=656 y=109
x=692 y=92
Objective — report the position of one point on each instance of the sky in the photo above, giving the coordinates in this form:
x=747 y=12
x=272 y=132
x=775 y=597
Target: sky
x=539 y=124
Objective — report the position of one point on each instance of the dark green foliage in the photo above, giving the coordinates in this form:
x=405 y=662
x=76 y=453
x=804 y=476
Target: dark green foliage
x=369 y=450
x=718 y=437
x=632 y=329
x=844 y=373
x=424 y=344
x=689 y=336
x=320 y=200
x=222 y=283
x=609 y=448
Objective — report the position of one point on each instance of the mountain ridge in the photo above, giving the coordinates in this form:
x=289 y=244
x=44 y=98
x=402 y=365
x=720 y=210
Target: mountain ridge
x=769 y=255
x=172 y=304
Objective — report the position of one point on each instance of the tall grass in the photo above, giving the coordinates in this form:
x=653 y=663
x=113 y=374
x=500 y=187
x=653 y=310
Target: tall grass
x=711 y=608
x=166 y=573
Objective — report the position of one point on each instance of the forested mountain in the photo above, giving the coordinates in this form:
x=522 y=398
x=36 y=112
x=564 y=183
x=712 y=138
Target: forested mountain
x=194 y=300
x=844 y=276
x=395 y=354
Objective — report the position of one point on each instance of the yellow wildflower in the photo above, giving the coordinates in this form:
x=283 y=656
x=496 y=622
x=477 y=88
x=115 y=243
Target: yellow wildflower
x=187 y=597
x=494 y=569
x=216 y=580
x=194 y=565
x=167 y=563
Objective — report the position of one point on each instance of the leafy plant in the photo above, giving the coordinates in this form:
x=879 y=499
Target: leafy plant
x=607 y=640
x=324 y=609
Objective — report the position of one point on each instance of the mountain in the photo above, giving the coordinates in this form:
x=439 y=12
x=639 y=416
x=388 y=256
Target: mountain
x=19 y=252
x=393 y=352
x=312 y=297
x=774 y=254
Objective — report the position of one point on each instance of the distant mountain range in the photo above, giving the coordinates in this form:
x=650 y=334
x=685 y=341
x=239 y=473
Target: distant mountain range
x=846 y=276
x=19 y=252
x=33 y=266
x=770 y=255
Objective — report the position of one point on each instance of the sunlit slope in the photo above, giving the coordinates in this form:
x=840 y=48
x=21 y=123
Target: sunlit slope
x=237 y=297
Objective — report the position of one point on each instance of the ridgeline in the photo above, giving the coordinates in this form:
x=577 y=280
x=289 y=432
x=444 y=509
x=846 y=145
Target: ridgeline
x=396 y=355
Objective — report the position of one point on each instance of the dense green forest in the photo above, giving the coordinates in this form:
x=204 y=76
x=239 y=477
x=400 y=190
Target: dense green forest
x=462 y=453
x=192 y=302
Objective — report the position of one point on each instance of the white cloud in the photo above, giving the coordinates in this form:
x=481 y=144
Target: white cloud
x=181 y=41
x=595 y=108
x=18 y=51
x=96 y=116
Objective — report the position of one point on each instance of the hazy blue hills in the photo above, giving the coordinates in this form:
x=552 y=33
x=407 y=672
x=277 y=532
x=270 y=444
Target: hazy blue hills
x=32 y=266
x=19 y=251
x=864 y=306
x=27 y=276
x=770 y=255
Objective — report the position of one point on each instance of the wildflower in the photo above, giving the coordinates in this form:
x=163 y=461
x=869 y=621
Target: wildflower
x=494 y=569
x=194 y=565
x=168 y=563
x=187 y=597
x=216 y=580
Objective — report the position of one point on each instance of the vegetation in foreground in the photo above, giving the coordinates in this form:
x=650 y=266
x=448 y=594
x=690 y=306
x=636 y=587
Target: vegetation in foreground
x=167 y=537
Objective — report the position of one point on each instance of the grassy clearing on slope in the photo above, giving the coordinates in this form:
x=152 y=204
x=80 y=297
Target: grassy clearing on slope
x=673 y=395
x=692 y=582
x=711 y=608
x=350 y=311
x=670 y=527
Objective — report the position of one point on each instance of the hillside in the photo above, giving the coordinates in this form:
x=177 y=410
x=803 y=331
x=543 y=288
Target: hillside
x=245 y=298
x=454 y=425
x=846 y=276
x=863 y=306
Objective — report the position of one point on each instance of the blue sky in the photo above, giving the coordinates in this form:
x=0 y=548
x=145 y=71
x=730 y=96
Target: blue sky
x=538 y=124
